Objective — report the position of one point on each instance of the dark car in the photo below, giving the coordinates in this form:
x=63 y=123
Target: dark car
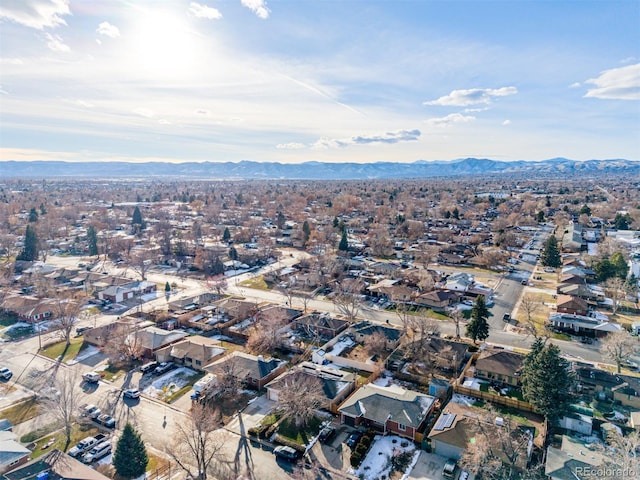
x=287 y=453
x=148 y=367
x=506 y=317
x=326 y=434
x=353 y=439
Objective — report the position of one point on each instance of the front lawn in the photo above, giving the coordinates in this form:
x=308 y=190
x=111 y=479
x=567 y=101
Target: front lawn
x=290 y=431
x=57 y=349
x=58 y=439
x=21 y=412
x=257 y=282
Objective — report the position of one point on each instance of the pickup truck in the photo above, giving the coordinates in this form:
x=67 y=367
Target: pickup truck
x=86 y=444
x=91 y=377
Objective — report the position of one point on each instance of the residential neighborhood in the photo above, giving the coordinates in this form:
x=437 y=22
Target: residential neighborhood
x=317 y=328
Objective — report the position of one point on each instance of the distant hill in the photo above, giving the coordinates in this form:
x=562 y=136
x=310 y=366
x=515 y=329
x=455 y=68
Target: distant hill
x=556 y=167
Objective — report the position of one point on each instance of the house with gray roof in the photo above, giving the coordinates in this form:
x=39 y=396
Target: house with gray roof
x=254 y=371
x=12 y=453
x=573 y=460
x=389 y=409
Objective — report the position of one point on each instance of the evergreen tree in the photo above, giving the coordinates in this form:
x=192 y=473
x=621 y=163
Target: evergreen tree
x=280 y=220
x=604 y=270
x=167 y=287
x=29 y=252
x=547 y=380
x=620 y=265
x=343 y=246
x=233 y=253
x=336 y=222
x=136 y=219
x=130 y=458
x=92 y=240
x=43 y=210
x=226 y=235
x=478 y=327
x=306 y=232
x=550 y=253
x=622 y=222
x=540 y=216
x=33 y=215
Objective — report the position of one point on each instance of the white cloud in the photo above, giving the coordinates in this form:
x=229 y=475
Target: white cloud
x=472 y=96
x=144 y=112
x=3 y=91
x=259 y=7
x=83 y=103
x=37 y=14
x=450 y=120
x=105 y=28
x=203 y=11
x=290 y=146
x=506 y=122
x=203 y=112
x=11 y=61
x=163 y=121
x=575 y=85
x=389 y=137
x=55 y=43
x=617 y=84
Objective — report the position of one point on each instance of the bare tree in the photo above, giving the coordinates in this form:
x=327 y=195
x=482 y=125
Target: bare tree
x=65 y=312
x=622 y=455
x=123 y=344
x=265 y=336
x=61 y=398
x=347 y=297
x=198 y=443
x=300 y=396
x=305 y=298
x=616 y=290
x=530 y=305
x=499 y=452
x=619 y=346
x=140 y=262
x=286 y=290
x=456 y=317
x=376 y=343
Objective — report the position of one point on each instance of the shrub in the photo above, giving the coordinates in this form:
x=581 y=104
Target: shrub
x=253 y=431
x=356 y=459
x=285 y=441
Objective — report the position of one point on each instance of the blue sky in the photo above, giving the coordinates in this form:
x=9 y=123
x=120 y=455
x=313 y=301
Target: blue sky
x=336 y=81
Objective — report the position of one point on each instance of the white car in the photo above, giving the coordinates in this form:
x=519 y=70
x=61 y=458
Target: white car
x=5 y=373
x=97 y=452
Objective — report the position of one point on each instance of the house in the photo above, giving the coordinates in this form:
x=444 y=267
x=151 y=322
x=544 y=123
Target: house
x=151 y=339
x=572 y=239
x=500 y=366
x=120 y=293
x=438 y=300
x=388 y=409
x=320 y=324
x=254 y=371
x=459 y=282
x=117 y=330
x=571 y=304
x=193 y=352
x=583 y=325
x=456 y=429
x=12 y=453
x=578 y=419
x=362 y=330
x=55 y=465
x=29 y=309
x=336 y=384
x=593 y=380
x=572 y=459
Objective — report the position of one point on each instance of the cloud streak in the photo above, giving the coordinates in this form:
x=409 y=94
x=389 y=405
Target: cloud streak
x=616 y=84
x=259 y=7
x=388 y=138
x=108 y=30
x=204 y=11
x=38 y=14
x=472 y=96
x=56 y=44
x=450 y=120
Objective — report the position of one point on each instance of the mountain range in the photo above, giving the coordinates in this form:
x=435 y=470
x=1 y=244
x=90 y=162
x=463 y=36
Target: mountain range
x=552 y=168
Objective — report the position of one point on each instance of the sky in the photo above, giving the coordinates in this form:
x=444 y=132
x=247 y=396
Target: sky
x=325 y=80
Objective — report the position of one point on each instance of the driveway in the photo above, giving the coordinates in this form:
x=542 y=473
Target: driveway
x=252 y=415
x=429 y=467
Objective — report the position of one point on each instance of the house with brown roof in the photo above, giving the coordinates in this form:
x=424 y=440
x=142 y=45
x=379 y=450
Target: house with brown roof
x=571 y=304
x=55 y=465
x=151 y=339
x=320 y=324
x=193 y=352
x=499 y=366
x=29 y=309
x=336 y=384
x=438 y=300
x=254 y=371
x=389 y=409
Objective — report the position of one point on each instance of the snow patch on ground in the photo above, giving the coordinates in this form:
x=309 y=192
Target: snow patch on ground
x=170 y=381
x=86 y=353
x=463 y=400
x=377 y=463
x=340 y=346
x=472 y=383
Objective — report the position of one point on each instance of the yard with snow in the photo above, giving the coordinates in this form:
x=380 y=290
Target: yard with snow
x=170 y=382
x=386 y=454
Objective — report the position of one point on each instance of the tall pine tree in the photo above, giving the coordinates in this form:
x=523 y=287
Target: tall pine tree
x=550 y=253
x=547 y=380
x=130 y=458
x=29 y=252
x=343 y=246
x=478 y=327
x=92 y=240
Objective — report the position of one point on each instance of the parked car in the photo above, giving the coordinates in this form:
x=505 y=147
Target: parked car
x=163 y=368
x=81 y=330
x=287 y=453
x=148 y=367
x=353 y=439
x=91 y=377
x=132 y=393
x=85 y=444
x=506 y=317
x=106 y=420
x=5 y=373
x=586 y=340
x=449 y=468
x=326 y=434
x=96 y=453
